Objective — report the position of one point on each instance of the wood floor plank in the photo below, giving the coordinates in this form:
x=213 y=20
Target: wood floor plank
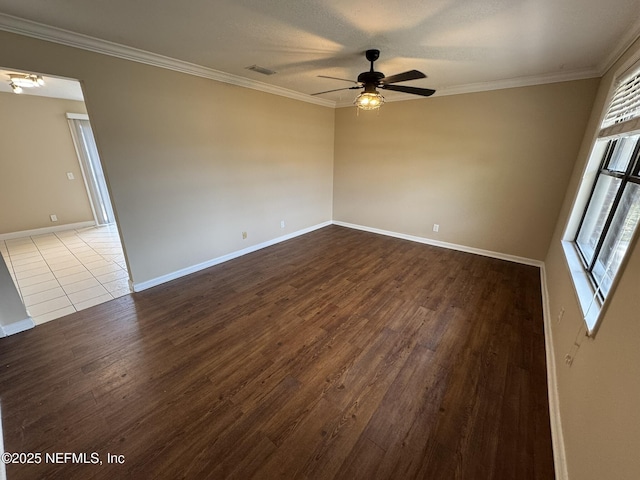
x=339 y=354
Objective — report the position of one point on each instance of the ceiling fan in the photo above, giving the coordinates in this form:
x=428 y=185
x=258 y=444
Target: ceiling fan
x=370 y=98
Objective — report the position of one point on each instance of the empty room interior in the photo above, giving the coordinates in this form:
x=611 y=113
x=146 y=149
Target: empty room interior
x=306 y=268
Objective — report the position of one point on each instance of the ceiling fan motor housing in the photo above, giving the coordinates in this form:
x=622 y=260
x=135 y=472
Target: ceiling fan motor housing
x=370 y=79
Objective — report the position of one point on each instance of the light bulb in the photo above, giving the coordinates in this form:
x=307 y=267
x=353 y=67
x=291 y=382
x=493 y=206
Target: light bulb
x=369 y=100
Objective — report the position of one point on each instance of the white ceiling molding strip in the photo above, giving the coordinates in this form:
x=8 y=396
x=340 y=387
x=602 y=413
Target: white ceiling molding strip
x=522 y=81
x=28 y=28
x=502 y=84
x=630 y=36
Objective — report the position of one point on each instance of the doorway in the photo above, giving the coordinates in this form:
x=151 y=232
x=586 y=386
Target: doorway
x=74 y=259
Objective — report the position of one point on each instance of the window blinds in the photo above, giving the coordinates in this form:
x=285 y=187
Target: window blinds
x=623 y=115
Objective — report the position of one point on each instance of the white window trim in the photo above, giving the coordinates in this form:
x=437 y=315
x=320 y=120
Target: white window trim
x=593 y=309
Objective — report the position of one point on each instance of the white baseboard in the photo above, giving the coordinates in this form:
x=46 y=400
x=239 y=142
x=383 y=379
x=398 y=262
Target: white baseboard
x=138 y=287
x=557 y=438
x=450 y=246
x=16 y=327
x=45 y=230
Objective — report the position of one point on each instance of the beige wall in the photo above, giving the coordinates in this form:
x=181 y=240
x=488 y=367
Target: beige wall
x=600 y=392
x=490 y=168
x=36 y=152
x=192 y=163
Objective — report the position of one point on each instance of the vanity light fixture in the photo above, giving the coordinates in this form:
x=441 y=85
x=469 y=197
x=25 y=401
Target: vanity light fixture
x=18 y=81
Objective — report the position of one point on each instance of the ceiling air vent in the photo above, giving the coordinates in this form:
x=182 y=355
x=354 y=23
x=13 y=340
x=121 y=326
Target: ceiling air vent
x=262 y=70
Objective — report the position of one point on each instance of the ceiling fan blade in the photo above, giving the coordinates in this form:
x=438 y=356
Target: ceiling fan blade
x=425 y=92
x=337 y=90
x=403 y=77
x=336 y=78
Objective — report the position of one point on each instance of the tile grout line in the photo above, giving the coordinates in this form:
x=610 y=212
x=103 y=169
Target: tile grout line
x=15 y=274
x=84 y=242
x=56 y=279
x=59 y=242
x=77 y=234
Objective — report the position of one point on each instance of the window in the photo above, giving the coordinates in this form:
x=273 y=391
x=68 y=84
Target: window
x=612 y=214
x=597 y=245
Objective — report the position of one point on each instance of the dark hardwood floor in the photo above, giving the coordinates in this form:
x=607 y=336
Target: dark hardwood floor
x=338 y=354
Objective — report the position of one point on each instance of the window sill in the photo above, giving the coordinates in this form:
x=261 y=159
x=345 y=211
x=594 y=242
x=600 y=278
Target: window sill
x=587 y=298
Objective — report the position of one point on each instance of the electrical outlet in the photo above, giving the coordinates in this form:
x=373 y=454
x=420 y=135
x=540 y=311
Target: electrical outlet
x=436 y=227
x=54 y=218
x=70 y=176
x=244 y=235
x=281 y=223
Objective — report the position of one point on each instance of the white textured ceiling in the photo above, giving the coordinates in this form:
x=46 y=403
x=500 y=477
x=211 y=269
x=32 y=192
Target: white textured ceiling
x=462 y=45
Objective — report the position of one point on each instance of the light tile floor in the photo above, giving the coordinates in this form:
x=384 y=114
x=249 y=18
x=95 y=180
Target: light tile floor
x=63 y=272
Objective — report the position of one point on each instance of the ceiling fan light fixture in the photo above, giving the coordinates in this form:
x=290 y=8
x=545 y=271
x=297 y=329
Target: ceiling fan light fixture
x=369 y=100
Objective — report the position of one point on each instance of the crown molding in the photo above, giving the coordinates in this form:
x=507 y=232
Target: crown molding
x=12 y=24
x=628 y=39
x=529 y=81
x=502 y=84
x=41 y=31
